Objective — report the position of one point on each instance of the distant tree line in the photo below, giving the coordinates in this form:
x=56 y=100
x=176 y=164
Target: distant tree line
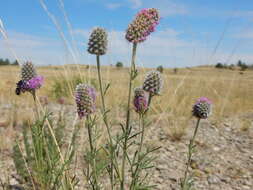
x=242 y=66
x=7 y=62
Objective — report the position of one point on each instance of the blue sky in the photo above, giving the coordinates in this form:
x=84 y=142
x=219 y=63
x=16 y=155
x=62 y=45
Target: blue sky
x=191 y=32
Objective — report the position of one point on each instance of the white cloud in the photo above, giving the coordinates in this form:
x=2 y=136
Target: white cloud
x=136 y=3
x=41 y=50
x=166 y=7
x=113 y=5
x=165 y=47
x=244 y=35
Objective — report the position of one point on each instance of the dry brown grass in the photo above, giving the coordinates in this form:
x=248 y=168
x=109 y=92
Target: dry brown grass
x=230 y=91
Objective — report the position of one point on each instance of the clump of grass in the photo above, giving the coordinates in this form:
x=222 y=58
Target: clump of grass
x=64 y=86
x=246 y=124
x=176 y=128
x=37 y=160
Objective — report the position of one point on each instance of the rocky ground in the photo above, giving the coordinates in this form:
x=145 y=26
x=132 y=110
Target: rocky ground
x=223 y=160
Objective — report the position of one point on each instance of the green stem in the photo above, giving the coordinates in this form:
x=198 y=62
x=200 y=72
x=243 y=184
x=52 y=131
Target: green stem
x=132 y=75
x=142 y=133
x=93 y=152
x=136 y=172
x=106 y=122
x=190 y=151
x=35 y=104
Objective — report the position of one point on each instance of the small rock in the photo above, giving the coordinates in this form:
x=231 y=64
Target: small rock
x=213 y=180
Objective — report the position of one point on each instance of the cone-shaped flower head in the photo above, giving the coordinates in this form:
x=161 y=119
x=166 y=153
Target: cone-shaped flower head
x=153 y=83
x=30 y=80
x=28 y=71
x=202 y=108
x=98 y=42
x=144 y=23
x=85 y=100
x=140 y=100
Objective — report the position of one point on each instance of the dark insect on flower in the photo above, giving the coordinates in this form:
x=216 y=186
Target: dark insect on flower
x=20 y=87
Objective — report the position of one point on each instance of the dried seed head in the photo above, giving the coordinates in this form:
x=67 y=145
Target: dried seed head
x=202 y=108
x=98 y=42
x=140 y=100
x=144 y=23
x=153 y=83
x=85 y=100
x=28 y=71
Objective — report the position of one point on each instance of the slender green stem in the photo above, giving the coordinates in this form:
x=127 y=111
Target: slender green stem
x=149 y=99
x=89 y=125
x=132 y=76
x=106 y=122
x=35 y=104
x=190 y=151
x=141 y=118
x=136 y=171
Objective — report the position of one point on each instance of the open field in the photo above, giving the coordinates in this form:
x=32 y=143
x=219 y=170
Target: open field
x=231 y=92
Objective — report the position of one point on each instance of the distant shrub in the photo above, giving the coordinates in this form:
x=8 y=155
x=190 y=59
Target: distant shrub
x=243 y=66
x=119 y=64
x=219 y=66
x=7 y=62
x=160 y=68
x=175 y=70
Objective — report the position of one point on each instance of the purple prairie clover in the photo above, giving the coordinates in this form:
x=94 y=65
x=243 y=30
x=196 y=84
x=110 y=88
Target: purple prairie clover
x=202 y=108
x=85 y=100
x=143 y=25
x=30 y=85
x=140 y=100
x=30 y=81
x=35 y=83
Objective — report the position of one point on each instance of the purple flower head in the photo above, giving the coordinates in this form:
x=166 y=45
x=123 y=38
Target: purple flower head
x=203 y=99
x=85 y=100
x=202 y=108
x=61 y=100
x=143 y=25
x=35 y=83
x=140 y=100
